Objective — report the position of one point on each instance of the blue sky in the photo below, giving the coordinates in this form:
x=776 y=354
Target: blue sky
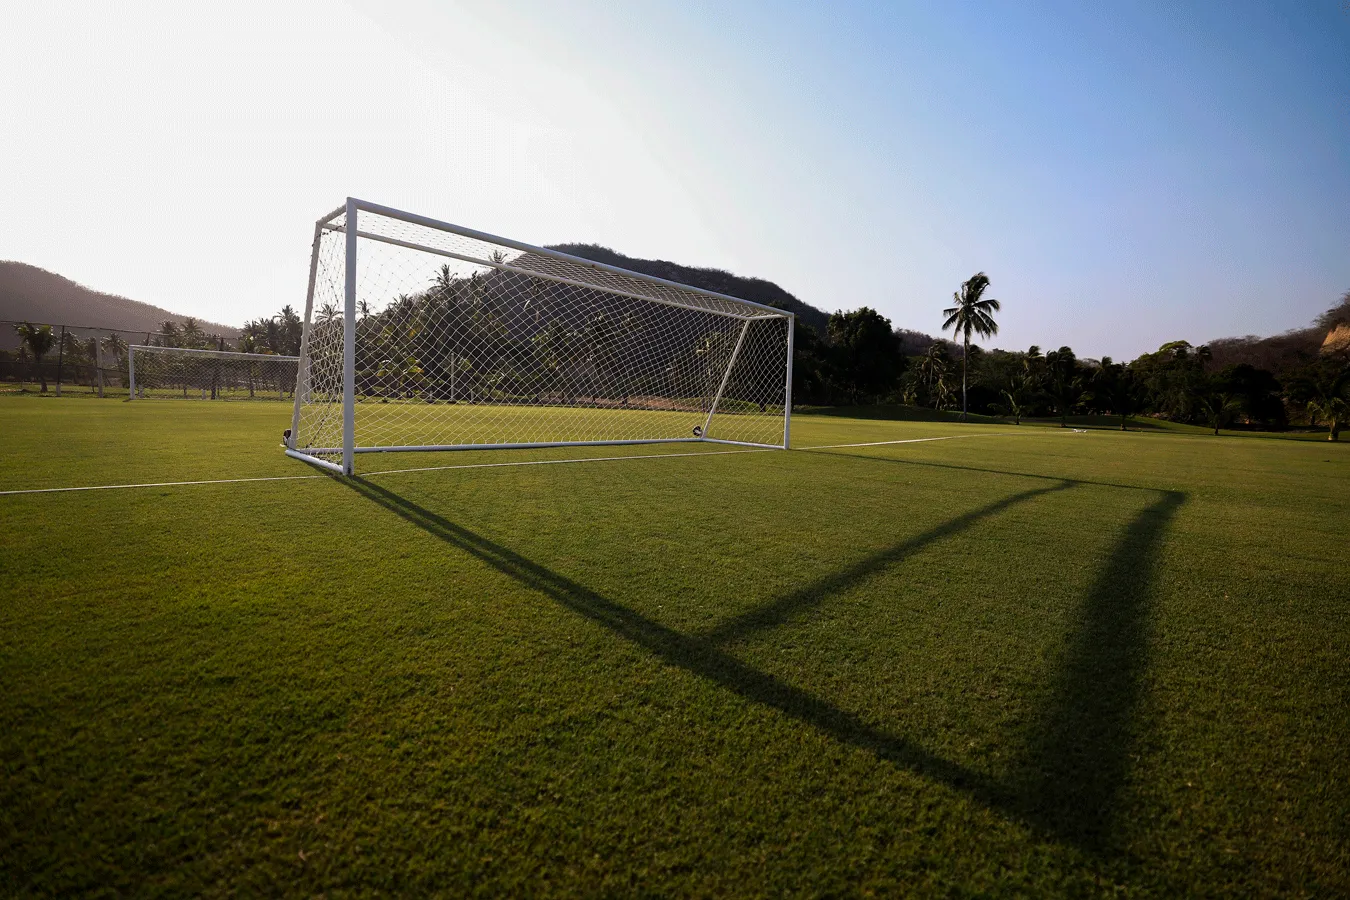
x=1126 y=174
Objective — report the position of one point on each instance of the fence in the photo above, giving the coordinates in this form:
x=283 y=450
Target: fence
x=84 y=360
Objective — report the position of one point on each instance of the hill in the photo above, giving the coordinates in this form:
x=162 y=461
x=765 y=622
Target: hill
x=1282 y=352
x=28 y=293
x=756 y=290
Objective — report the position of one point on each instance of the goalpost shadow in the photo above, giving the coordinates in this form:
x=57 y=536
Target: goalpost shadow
x=1077 y=755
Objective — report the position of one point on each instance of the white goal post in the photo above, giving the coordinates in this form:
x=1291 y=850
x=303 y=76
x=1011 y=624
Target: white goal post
x=186 y=373
x=422 y=335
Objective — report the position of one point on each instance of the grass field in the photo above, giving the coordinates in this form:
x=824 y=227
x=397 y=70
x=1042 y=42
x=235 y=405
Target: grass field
x=1018 y=661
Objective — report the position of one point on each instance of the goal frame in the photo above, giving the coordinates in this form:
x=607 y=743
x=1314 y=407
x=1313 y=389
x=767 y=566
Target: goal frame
x=190 y=352
x=351 y=229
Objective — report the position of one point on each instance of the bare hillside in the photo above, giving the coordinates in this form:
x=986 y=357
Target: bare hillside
x=28 y=293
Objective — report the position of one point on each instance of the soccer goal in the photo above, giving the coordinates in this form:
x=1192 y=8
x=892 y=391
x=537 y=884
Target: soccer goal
x=421 y=335
x=178 y=372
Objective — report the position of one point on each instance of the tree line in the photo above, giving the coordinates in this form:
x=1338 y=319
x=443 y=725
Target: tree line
x=859 y=358
x=862 y=359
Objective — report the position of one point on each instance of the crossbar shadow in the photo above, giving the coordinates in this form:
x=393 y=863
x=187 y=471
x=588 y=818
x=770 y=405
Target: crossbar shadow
x=786 y=607
x=1076 y=482
x=1079 y=749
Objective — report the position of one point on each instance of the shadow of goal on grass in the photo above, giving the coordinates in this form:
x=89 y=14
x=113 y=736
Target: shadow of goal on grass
x=1078 y=749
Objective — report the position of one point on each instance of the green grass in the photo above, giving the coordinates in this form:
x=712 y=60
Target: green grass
x=1029 y=662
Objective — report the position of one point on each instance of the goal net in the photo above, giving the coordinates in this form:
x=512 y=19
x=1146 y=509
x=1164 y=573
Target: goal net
x=178 y=372
x=421 y=335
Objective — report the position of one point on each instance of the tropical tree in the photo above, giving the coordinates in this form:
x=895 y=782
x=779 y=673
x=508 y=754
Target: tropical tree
x=168 y=334
x=1175 y=377
x=115 y=347
x=290 y=329
x=191 y=333
x=1064 y=382
x=1115 y=387
x=1325 y=391
x=38 y=339
x=972 y=313
x=1019 y=392
x=935 y=367
x=1259 y=391
x=1218 y=406
x=867 y=352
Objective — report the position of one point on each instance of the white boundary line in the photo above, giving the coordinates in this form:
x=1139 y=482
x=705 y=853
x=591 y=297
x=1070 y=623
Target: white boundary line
x=497 y=465
x=113 y=487
x=950 y=437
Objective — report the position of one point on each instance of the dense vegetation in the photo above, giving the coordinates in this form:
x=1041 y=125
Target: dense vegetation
x=849 y=357
x=861 y=359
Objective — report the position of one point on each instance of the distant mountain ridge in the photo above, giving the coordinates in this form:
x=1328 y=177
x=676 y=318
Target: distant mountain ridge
x=756 y=290
x=32 y=294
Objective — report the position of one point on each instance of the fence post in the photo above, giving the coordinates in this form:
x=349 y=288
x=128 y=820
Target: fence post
x=60 y=358
x=98 y=363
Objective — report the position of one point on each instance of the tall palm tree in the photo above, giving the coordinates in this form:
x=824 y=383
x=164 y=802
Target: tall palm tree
x=191 y=333
x=115 y=346
x=1114 y=386
x=168 y=334
x=972 y=313
x=38 y=339
x=1064 y=382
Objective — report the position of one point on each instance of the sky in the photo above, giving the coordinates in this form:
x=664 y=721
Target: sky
x=1126 y=174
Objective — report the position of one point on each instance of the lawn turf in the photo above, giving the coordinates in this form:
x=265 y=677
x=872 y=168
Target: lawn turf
x=1024 y=660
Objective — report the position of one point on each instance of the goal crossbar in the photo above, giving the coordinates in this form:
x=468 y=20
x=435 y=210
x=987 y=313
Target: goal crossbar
x=415 y=219
x=216 y=354
x=157 y=371
x=507 y=267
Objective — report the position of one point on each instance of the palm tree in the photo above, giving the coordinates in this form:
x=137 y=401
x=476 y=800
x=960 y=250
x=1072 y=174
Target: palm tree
x=972 y=313
x=1115 y=386
x=934 y=367
x=116 y=347
x=1328 y=397
x=1219 y=408
x=1064 y=383
x=191 y=333
x=291 y=329
x=38 y=339
x=1019 y=393
x=168 y=334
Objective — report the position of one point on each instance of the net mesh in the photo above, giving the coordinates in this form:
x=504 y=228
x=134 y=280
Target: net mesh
x=179 y=373
x=463 y=341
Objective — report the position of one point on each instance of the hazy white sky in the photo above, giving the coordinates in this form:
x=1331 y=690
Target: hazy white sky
x=1118 y=198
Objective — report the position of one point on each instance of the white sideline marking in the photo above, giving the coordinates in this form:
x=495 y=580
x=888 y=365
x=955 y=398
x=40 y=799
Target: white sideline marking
x=523 y=462
x=113 y=487
x=496 y=465
x=950 y=437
